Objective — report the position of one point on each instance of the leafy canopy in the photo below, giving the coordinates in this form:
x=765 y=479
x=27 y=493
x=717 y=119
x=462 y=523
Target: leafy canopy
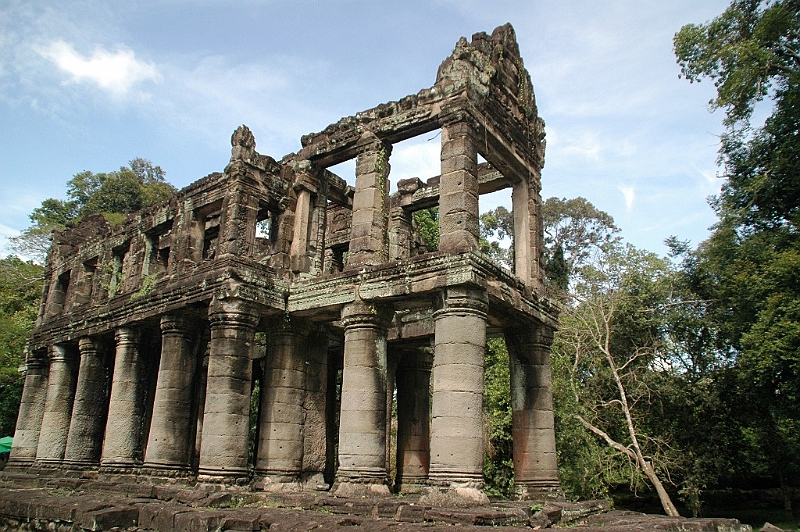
x=112 y=194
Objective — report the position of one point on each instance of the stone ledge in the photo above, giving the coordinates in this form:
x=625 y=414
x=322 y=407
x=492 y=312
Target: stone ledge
x=27 y=503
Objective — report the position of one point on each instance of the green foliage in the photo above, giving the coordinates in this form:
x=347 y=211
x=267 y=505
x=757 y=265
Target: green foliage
x=747 y=270
x=498 y=465
x=111 y=194
x=495 y=226
x=427 y=221
x=749 y=50
x=575 y=231
x=20 y=292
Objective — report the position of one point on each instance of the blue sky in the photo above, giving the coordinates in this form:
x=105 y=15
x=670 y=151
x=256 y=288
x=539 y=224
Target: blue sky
x=90 y=85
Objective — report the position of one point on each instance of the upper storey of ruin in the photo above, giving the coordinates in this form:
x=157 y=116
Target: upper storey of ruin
x=291 y=235
x=483 y=82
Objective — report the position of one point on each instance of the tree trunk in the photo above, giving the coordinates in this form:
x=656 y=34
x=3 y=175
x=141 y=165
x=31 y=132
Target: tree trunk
x=663 y=496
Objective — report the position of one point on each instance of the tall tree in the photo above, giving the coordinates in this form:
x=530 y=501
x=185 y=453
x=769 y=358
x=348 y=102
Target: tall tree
x=20 y=292
x=112 y=194
x=612 y=332
x=749 y=265
x=575 y=232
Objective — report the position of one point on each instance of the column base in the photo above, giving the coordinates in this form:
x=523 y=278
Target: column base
x=361 y=482
x=118 y=466
x=155 y=469
x=211 y=474
x=18 y=464
x=411 y=485
x=453 y=497
x=528 y=490
x=80 y=465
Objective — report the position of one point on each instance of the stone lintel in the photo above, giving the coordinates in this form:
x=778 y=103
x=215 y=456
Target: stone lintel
x=426 y=196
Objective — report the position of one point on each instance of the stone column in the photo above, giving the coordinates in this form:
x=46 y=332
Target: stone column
x=302 y=221
x=362 y=421
x=457 y=410
x=169 y=444
x=413 y=421
x=316 y=415
x=458 y=190
x=57 y=406
x=528 y=231
x=535 y=460
x=369 y=237
x=31 y=409
x=123 y=441
x=400 y=234
x=280 y=446
x=85 y=440
x=226 y=420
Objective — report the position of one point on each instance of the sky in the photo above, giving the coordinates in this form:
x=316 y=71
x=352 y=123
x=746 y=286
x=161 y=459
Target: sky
x=90 y=85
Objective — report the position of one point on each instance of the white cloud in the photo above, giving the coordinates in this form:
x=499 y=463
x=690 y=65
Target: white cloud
x=629 y=193
x=116 y=72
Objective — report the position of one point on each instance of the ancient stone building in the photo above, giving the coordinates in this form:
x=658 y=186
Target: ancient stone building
x=276 y=292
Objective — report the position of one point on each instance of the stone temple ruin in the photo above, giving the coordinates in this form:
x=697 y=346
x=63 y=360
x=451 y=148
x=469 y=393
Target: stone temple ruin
x=275 y=291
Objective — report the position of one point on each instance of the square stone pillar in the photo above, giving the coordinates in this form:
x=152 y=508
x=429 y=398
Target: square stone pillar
x=31 y=409
x=280 y=445
x=535 y=459
x=123 y=441
x=413 y=420
x=528 y=231
x=57 y=406
x=172 y=432
x=85 y=440
x=456 y=468
x=237 y=227
x=458 y=190
x=369 y=237
x=400 y=233
x=302 y=221
x=362 y=421
x=226 y=420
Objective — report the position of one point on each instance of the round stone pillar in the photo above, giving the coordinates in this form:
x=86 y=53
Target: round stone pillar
x=413 y=421
x=533 y=429
x=123 y=441
x=57 y=406
x=171 y=438
x=362 y=421
x=280 y=444
x=457 y=411
x=85 y=439
x=226 y=427
x=31 y=409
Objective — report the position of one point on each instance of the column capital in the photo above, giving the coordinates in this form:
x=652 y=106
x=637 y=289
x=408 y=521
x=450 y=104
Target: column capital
x=233 y=312
x=88 y=345
x=35 y=361
x=360 y=314
x=371 y=143
x=458 y=300
x=461 y=124
x=289 y=325
x=127 y=336
x=58 y=353
x=173 y=324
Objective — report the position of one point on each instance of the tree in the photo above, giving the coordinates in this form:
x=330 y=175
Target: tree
x=575 y=231
x=111 y=194
x=20 y=293
x=613 y=333
x=496 y=226
x=748 y=267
